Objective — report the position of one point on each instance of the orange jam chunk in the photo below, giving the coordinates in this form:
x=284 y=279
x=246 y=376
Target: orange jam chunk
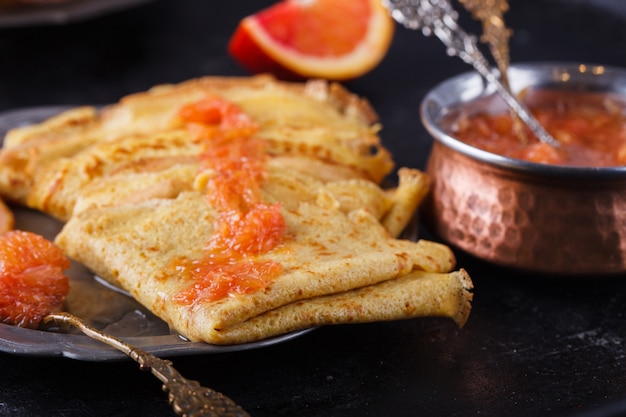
x=32 y=282
x=237 y=172
x=258 y=231
x=211 y=113
x=215 y=279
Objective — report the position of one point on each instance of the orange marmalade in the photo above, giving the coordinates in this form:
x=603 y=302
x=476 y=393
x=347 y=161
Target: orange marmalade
x=591 y=128
x=233 y=161
x=32 y=282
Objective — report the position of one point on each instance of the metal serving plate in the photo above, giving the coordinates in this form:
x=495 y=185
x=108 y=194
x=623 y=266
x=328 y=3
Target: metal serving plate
x=62 y=13
x=100 y=305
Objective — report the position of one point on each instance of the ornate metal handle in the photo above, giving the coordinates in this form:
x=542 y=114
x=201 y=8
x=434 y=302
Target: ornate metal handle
x=188 y=398
x=438 y=17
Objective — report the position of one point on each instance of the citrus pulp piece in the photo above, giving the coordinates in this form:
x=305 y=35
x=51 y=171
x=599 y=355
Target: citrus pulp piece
x=32 y=282
x=295 y=39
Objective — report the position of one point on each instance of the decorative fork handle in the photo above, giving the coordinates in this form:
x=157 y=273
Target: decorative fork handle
x=438 y=17
x=188 y=398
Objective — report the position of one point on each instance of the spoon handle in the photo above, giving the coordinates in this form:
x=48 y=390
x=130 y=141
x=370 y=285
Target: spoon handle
x=188 y=398
x=438 y=17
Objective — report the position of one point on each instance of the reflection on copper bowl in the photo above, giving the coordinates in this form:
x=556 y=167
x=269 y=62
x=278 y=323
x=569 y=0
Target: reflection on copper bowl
x=537 y=217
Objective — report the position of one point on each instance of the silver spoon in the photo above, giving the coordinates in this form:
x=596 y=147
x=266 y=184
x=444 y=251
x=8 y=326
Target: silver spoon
x=495 y=33
x=438 y=17
x=188 y=398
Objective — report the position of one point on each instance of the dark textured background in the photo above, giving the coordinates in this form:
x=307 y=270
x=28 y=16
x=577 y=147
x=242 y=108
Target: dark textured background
x=534 y=346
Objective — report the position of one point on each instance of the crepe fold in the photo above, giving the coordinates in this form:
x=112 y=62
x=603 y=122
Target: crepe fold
x=315 y=127
x=127 y=181
x=417 y=294
x=338 y=268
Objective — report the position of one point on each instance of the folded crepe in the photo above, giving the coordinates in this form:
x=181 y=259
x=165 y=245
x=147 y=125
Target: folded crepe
x=329 y=252
x=316 y=127
x=143 y=211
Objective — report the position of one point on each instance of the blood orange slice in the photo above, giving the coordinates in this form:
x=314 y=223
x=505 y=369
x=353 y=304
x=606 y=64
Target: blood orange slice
x=294 y=39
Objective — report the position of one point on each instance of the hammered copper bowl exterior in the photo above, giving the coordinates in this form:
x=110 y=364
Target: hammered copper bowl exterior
x=547 y=219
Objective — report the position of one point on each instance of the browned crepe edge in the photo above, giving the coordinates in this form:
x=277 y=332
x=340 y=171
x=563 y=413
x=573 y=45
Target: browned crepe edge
x=418 y=294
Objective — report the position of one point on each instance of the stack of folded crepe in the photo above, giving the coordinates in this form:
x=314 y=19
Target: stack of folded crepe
x=136 y=190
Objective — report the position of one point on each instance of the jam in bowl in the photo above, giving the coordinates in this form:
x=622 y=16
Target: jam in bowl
x=502 y=196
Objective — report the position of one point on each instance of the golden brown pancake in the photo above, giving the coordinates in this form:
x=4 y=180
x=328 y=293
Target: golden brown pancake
x=130 y=183
x=418 y=294
x=329 y=252
x=317 y=123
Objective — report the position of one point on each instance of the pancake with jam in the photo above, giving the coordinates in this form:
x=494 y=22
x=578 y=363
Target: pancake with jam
x=166 y=254
x=237 y=209
x=315 y=127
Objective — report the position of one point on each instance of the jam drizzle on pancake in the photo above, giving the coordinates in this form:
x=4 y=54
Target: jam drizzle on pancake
x=231 y=173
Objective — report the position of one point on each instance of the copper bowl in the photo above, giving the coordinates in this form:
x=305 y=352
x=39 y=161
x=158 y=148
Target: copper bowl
x=536 y=217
